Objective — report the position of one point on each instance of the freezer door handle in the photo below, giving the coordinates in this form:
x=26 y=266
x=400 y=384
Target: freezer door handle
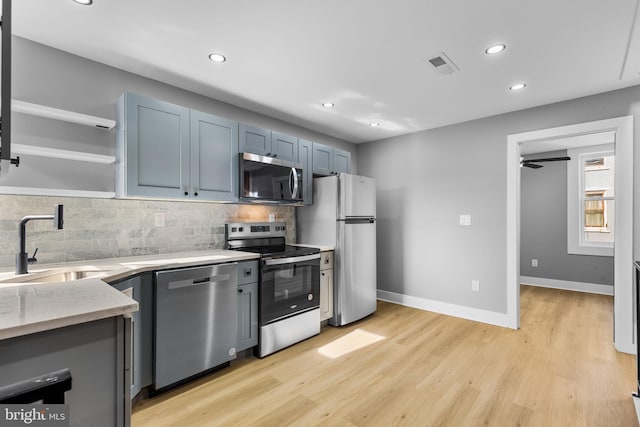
x=359 y=220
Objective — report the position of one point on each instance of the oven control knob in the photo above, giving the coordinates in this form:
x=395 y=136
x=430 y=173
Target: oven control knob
x=310 y=297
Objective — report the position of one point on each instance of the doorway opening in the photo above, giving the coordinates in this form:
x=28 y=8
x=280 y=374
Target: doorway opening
x=622 y=129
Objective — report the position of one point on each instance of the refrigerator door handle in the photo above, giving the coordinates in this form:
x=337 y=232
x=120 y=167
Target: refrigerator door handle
x=358 y=220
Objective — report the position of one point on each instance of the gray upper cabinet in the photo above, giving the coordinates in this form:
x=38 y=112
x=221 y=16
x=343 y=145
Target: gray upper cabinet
x=255 y=140
x=168 y=151
x=284 y=147
x=267 y=143
x=341 y=161
x=322 y=159
x=329 y=160
x=214 y=157
x=305 y=156
x=152 y=148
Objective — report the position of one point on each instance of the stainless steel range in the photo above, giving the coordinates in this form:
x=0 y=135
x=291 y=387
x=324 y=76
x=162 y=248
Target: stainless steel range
x=289 y=289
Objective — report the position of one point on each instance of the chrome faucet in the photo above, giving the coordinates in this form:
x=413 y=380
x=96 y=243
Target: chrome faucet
x=22 y=257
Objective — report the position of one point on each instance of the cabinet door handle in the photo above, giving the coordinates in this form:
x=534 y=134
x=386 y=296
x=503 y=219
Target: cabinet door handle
x=239 y=291
x=323 y=274
x=186 y=193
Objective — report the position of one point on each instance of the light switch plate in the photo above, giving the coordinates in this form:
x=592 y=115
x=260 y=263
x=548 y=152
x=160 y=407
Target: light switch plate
x=159 y=219
x=465 y=219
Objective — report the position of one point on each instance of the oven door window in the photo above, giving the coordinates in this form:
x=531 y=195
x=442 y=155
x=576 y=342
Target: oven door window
x=289 y=288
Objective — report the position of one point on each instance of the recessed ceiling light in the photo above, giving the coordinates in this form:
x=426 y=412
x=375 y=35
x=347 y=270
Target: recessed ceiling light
x=84 y=2
x=518 y=86
x=496 y=48
x=217 y=57
x=374 y=124
x=328 y=104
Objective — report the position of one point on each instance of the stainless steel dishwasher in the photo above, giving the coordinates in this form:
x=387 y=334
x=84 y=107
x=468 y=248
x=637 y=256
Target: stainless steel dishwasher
x=195 y=321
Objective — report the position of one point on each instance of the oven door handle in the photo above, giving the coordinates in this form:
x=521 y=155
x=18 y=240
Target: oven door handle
x=290 y=260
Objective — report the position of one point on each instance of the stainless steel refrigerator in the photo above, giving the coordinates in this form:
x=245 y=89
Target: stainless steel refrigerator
x=343 y=215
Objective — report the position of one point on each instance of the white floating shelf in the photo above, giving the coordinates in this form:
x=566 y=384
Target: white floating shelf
x=58 y=114
x=32 y=191
x=33 y=150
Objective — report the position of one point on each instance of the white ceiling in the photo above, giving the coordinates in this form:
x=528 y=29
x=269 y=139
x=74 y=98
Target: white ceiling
x=286 y=57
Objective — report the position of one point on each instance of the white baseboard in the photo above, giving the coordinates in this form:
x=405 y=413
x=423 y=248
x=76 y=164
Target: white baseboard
x=475 y=314
x=566 y=285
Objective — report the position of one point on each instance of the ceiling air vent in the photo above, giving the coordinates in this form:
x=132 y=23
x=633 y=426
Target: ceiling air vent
x=443 y=65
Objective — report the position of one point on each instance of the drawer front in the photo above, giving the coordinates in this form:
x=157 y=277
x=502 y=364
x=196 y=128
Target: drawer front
x=326 y=260
x=247 y=272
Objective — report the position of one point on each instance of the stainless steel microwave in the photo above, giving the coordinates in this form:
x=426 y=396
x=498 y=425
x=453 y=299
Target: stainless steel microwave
x=267 y=179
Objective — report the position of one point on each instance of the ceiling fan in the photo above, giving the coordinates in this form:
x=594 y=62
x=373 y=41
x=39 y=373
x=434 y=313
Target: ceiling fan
x=533 y=163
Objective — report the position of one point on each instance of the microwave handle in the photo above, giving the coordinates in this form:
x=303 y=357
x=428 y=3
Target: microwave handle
x=295 y=189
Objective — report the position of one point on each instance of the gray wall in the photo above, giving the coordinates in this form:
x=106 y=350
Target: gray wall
x=96 y=228
x=54 y=78
x=427 y=179
x=543 y=228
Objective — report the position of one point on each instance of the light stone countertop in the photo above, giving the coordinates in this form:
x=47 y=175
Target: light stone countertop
x=31 y=306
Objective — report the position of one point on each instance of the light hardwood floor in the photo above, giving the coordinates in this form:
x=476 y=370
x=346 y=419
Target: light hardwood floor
x=559 y=369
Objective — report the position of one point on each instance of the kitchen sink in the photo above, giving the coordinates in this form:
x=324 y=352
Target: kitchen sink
x=67 y=276
x=59 y=275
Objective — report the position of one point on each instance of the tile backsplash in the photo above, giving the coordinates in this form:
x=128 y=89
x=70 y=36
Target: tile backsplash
x=108 y=228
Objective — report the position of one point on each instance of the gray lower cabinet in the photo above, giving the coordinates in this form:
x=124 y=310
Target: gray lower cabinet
x=247 y=305
x=168 y=151
x=267 y=143
x=305 y=157
x=142 y=330
x=330 y=160
x=96 y=354
x=326 y=285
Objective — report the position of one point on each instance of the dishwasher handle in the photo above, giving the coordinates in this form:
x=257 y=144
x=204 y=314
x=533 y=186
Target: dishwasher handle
x=219 y=280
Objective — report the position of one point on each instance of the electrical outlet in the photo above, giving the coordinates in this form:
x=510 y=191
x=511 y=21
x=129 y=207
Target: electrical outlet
x=159 y=219
x=534 y=262
x=475 y=285
x=465 y=219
